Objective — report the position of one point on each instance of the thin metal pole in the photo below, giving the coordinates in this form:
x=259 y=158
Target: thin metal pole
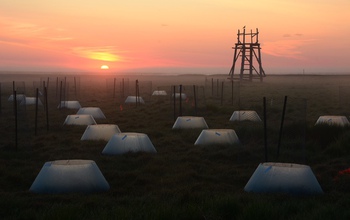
x=123 y=89
x=61 y=96
x=0 y=100
x=304 y=130
x=16 y=120
x=114 y=87
x=195 y=99
x=47 y=109
x=232 y=92
x=65 y=89
x=174 y=99
x=281 y=128
x=180 y=106
x=138 y=91
x=222 y=93
x=217 y=87
x=265 y=129
x=56 y=87
x=36 y=111
x=75 y=88
x=137 y=94
x=44 y=86
x=204 y=97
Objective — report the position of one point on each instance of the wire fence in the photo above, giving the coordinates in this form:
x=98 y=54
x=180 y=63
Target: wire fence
x=287 y=113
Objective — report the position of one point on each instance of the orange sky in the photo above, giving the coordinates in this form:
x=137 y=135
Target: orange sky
x=172 y=36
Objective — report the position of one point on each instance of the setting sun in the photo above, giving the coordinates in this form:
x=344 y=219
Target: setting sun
x=104 y=67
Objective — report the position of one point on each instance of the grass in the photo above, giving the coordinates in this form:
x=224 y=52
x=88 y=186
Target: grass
x=181 y=181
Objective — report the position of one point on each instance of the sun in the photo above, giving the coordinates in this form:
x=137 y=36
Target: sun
x=104 y=67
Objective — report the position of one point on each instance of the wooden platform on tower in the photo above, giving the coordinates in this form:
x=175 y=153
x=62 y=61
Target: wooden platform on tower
x=247 y=53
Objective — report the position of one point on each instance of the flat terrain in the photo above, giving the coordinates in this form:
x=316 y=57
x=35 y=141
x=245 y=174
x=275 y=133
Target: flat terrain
x=180 y=181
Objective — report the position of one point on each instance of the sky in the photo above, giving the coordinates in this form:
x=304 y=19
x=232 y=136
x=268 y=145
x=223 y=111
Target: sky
x=172 y=36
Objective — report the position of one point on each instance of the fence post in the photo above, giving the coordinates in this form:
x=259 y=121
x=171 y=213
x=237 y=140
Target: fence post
x=61 y=96
x=180 y=106
x=114 y=82
x=36 y=111
x=75 y=88
x=232 y=92
x=16 y=120
x=47 y=108
x=174 y=99
x=0 y=100
x=265 y=129
x=281 y=128
x=217 y=87
x=195 y=99
x=222 y=93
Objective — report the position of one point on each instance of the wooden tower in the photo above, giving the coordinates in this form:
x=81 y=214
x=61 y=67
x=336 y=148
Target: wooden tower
x=247 y=52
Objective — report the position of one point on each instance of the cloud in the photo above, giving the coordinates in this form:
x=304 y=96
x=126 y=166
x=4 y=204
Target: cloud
x=105 y=53
x=290 y=48
x=12 y=26
x=12 y=40
x=15 y=31
x=58 y=38
x=55 y=39
x=291 y=35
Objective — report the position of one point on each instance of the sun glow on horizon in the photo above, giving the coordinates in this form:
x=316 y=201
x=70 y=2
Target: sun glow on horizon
x=104 y=67
x=107 y=53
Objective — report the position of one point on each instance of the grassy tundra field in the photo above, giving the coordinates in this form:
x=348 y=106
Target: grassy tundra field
x=180 y=181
